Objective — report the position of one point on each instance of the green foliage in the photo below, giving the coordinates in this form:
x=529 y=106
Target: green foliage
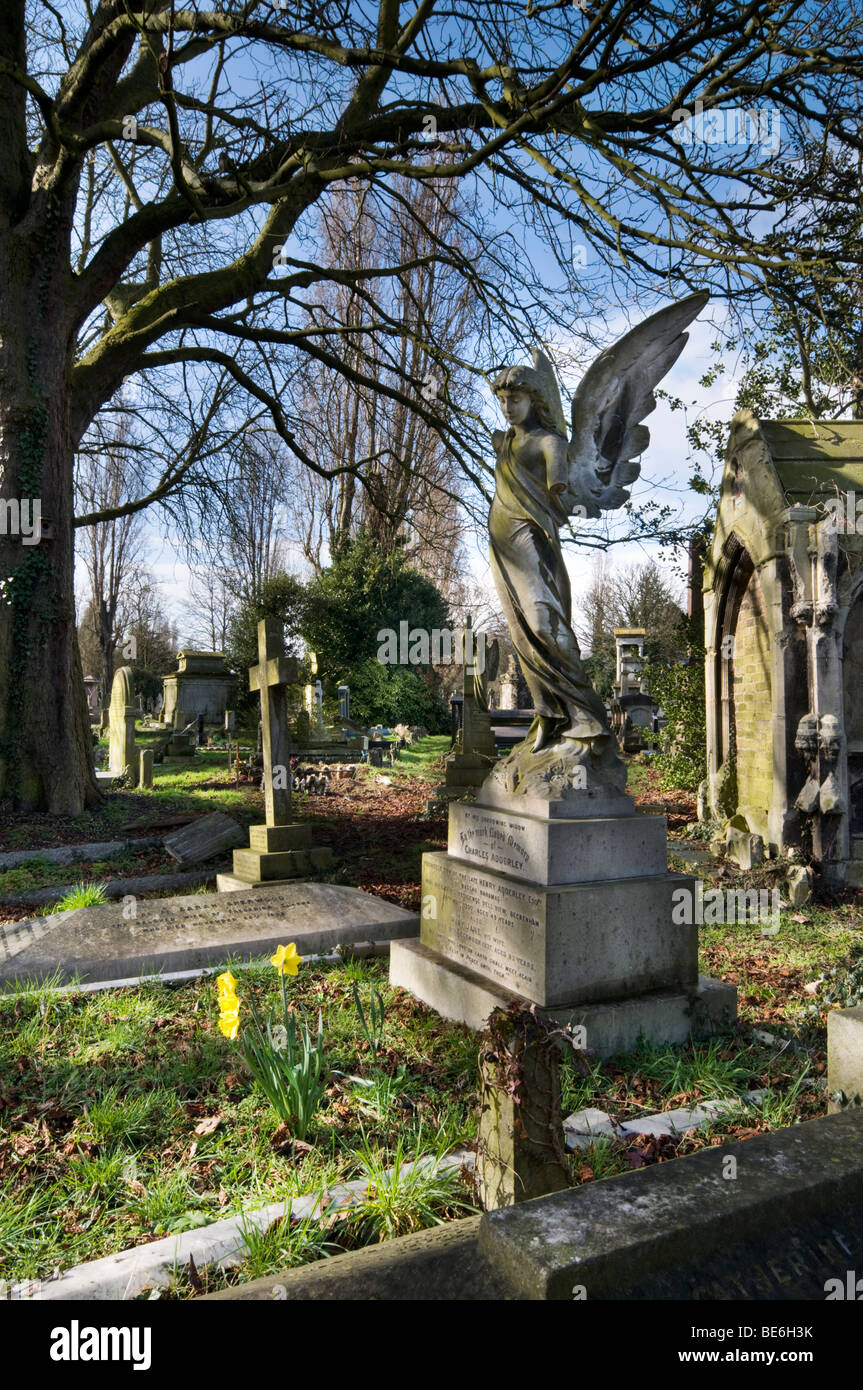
x=288 y=1067
x=600 y=668
x=842 y=985
x=396 y=695
x=82 y=895
x=373 y=1029
x=405 y=1196
x=281 y=597
x=679 y=690
x=366 y=588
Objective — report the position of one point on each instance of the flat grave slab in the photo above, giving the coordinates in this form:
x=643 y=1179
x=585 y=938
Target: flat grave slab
x=779 y=1216
x=119 y=940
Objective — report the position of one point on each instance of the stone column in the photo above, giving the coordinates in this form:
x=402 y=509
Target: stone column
x=521 y=1153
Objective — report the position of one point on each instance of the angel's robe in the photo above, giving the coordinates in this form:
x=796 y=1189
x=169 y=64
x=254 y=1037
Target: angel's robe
x=534 y=592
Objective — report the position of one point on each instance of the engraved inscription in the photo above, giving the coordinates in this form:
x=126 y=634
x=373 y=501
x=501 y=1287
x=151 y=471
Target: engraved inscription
x=492 y=927
x=495 y=842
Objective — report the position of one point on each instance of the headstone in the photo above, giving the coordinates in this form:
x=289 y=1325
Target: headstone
x=91 y=688
x=204 y=839
x=202 y=682
x=124 y=940
x=509 y=686
x=746 y=849
x=230 y=721
x=844 y=1059
x=145 y=777
x=303 y=729
x=344 y=693
x=566 y=904
x=121 y=747
x=473 y=751
x=280 y=848
x=788 y=1227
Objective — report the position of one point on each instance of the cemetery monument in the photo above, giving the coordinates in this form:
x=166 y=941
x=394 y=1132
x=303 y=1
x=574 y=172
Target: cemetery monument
x=201 y=684
x=783 y=614
x=281 y=848
x=552 y=889
x=121 y=726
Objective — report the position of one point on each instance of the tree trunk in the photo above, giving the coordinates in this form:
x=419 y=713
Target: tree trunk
x=45 y=747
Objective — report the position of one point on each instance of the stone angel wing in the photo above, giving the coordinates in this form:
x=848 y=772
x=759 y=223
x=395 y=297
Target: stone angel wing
x=549 y=388
x=614 y=396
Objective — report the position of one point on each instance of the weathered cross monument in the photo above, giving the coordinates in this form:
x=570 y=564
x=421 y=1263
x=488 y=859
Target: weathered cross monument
x=281 y=848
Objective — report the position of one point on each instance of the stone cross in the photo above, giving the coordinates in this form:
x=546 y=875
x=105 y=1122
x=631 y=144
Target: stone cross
x=121 y=724
x=272 y=674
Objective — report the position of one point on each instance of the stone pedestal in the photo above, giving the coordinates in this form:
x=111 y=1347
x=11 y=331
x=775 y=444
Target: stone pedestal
x=567 y=905
x=278 y=852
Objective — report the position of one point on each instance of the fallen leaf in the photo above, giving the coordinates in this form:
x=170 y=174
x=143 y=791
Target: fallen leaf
x=208 y=1125
x=585 y=1173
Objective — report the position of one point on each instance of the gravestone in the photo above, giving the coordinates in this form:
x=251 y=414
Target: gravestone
x=145 y=776
x=91 y=689
x=123 y=940
x=303 y=729
x=776 y=1217
x=509 y=686
x=280 y=848
x=566 y=904
x=844 y=1058
x=344 y=694
x=473 y=752
x=202 y=682
x=121 y=725
x=204 y=838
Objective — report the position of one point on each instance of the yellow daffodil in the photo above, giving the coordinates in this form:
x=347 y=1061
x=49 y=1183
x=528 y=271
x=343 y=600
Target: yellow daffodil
x=286 y=959
x=226 y=985
x=229 y=1024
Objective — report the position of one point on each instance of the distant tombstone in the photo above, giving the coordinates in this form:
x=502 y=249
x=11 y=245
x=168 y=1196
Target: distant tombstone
x=91 y=687
x=145 y=776
x=202 y=682
x=121 y=730
x=230 y=720
x=376 y=757
x=303 y=728
x=344 y=702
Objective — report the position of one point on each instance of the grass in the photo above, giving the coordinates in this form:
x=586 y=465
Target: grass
x=421 y=759
x=82 y=895
x=103 y=1096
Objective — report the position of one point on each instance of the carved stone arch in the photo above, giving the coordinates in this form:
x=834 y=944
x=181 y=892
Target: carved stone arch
x=851 y=654
x=735 y=572
x=743 y=681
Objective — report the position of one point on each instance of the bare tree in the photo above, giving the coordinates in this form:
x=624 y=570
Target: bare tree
x=109 y=550
x=160 y=169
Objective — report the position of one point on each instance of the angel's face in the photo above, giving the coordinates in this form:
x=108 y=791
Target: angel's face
x=516 y=406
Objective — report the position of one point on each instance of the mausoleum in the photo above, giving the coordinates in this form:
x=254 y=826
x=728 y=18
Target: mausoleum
x=783 y=598
x=202 y=684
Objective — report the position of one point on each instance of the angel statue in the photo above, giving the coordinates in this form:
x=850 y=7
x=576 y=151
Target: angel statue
x=541 y=479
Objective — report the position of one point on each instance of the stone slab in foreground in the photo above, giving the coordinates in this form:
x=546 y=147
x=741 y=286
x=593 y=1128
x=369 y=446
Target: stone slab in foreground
x=185 y=933
x=790 y=1222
